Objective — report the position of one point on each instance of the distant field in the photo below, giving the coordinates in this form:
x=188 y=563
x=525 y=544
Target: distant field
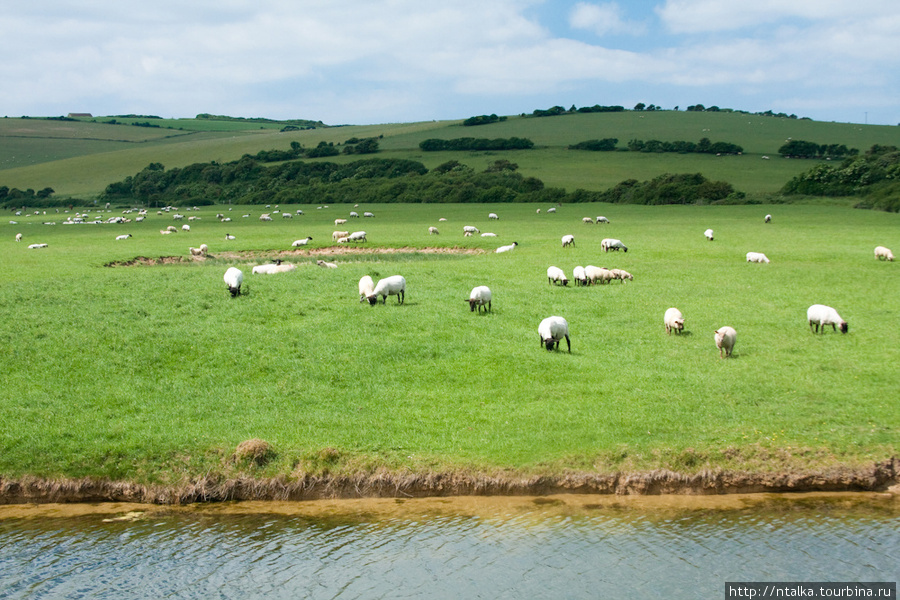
x=80 y=159
x=154 y=373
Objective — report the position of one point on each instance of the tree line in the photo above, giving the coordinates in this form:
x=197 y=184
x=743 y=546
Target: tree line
x=476 y=144
x=704 y=146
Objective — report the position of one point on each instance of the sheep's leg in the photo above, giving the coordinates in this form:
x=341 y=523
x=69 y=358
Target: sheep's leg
x=568 y=343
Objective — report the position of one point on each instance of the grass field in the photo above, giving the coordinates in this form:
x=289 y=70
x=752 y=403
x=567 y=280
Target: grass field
x=151 y=373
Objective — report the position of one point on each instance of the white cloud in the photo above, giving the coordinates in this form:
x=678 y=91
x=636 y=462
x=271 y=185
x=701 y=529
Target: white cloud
x=603 y=19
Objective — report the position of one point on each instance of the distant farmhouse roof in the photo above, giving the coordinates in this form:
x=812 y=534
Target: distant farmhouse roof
x=75 y=115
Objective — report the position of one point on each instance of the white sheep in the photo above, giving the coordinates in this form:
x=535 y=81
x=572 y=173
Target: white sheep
x=228 y=236
x=265 y=217
x=757 y=257
x=272 y=268
x=18 y=237
x=488 y=234
x=709 y=234
x=768 y=218
x=441 y=220
x=172 y=229
x=201 y=251
x=233 y=279
x=568 y=240
x=368 y=215
x=36 y=246
x=433 y=231
x=287 y=215
x=118 y=237
x=587 y=220
x=335 y=235
x=470 y=229
x=185 y=227
x=394 y=285
x=881 y=253
x=602 y=219
x=552 y=330
x=302 y=242
x=725 y=339
x=357 y=236
x=621 y=275
x=354 y=214
x=493 y=216
x=557 y=276
x=820 y=315
x=674 y=321
x=579 y=276
x=366 y=287
x=612 y=244
x=339 y=221
x=595 y=274
x=326 y=265
x=480 y=297
x=506 y=248
x=551 y=210
x=343 y=240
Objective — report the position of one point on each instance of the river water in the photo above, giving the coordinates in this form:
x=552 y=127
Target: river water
x=568 y=546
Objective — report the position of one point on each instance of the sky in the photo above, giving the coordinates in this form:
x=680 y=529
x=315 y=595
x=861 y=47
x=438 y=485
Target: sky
x=400 y=61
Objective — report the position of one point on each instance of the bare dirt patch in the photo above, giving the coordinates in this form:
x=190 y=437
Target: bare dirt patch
x=139 y=261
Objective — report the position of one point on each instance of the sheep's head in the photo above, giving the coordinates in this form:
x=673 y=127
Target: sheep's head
x=373 y=299
x=472 y=303
x=844 y=327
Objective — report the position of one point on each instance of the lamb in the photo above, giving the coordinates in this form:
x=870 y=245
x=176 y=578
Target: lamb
x=488 y=234
x=556 y=275
x=272 y=268
x=595 y=274
x=820 y=315
x=602 y=219
x=621 y=275
x=881 y=253
x=118 y=237
x=612 y=244
x=442 y=219
x=338 y=234
x=302 y=242
x=674 y=321
x=768 y=218
x=326 y=265
x=470 y=229
x=568 y=240
x=366 y=287
x=233 y=279
x=201 y=251
x=506 y=248
x=357 y=236
x=479 y=297
x=587 y=220
x=433 y=231
x=343 y=240
x=725 y=339
x=18 y=237
x=36 y=246
x=579 y=276
x=552 y=330
x=757 y=257
x=493 y=216
x=709 y=234
x=394 y=285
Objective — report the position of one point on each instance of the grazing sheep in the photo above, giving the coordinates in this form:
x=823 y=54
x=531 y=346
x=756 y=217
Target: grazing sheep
x=165 y=232
x=36 y=246
x=725 y=339
x=579 y=276
x=479 y=297
x=118 y=237
x=339 y=221
x=441 y=220
x=470 y=229
x=602 y=219
x=595 y=274
x=335 y=235
x=299 y=212
x=820 y=315
x=757 y=257
x=357 y=236
x=302 y=242
x=621 y=275
x=172 y=229
x=552 y=330
x=394 y=285
x=185 y=227
x=368 y=215
x=343 y=240
x=228 y=236
x=551 y=210
x=674 y=321
x=709 y=234
x=488 y=234
x=506 y=248
x=433 y=231
x=354 y=214
x=326 y=265
x=287 y=215
x=493 y=216
x=18 y=237
x=557 y=276
x=612 y=244
x=233 y=279
x=366 y=287
x=881 y=253
x=568 y=240
x=768 y=218
x=265 y=217
x=272 y=268
x=195 y=251
x=587 y=220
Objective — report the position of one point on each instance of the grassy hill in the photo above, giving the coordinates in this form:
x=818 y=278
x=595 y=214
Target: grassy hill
x=79 y=158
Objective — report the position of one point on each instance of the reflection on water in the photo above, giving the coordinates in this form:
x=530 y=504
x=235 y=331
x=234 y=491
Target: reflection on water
x=561 y=547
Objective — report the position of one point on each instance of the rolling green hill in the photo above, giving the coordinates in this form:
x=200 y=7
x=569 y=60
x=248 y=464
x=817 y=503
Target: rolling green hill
x=79 y=158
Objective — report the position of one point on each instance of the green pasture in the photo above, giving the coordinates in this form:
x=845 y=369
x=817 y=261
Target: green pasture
x=154 y=373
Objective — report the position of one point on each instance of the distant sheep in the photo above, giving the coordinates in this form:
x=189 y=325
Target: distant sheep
x=488 y=234
x=602 y=219
x=366 y=287
x=551 y=210
x=709 y=234
x=820 y=315
x=608 y=244
x=568 y=240
x=621 y=275
x=339 y=221
x=18 y=237
x=555 y=275
x=335 y=235
x=394 y=285
x=493 y=216
x=441 y=220
x=757 y=257
x=595 y=274
x=36 y=246
x=302 y=242
x=287 y=215
x=552 y=330
x=272 y=268
x=674 y=321
x=326 y=265
x=506 y=248
x=881 y=253
x=265 y=217
x=725 y=339
x=354 y=214
x=433 y=231
x=185 y=227
x=343 y=240
x=470 y=229
x=233 y=279
x=357 y=236
x=368 y=215
x=579 y=276
x=768 y=218
x=201 y=251
x=480 y=297
x=228 y=236
x=118 y=237
x=587 y=220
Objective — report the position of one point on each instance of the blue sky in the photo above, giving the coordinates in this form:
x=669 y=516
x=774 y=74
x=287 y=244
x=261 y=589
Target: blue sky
x=385 y=61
